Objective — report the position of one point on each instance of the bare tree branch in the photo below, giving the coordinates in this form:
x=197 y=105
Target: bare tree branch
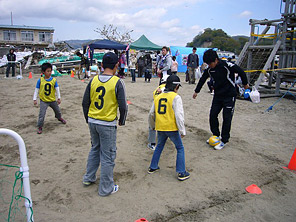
x=112 y=33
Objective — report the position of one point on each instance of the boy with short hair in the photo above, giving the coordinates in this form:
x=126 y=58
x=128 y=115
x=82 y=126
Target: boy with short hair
x=223 y=74
x=47 y=87
x=167 y=117
x=104 y=94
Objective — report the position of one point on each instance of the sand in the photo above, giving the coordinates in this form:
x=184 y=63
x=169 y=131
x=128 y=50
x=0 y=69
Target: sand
x=260 y=145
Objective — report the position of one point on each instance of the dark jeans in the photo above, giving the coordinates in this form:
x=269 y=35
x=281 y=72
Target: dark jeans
x=12 y=65
x=227 y=104
x=140 y=71
x=147 y=75
x=121 y=72
x=133 y=73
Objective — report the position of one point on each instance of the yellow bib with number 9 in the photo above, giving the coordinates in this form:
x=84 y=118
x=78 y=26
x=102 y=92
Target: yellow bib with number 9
x=47 y=90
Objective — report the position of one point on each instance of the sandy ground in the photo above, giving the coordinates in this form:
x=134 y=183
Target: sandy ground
x=260 y=145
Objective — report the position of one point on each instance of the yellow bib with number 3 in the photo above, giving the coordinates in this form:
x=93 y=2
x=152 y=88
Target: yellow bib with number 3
x=47 y=90
x=165 y=119
x=103 y=99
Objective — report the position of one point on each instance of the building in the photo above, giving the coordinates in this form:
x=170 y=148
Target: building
x=22 y=36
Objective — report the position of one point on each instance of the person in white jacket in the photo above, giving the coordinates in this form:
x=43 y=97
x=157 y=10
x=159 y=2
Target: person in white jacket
x=167 y=118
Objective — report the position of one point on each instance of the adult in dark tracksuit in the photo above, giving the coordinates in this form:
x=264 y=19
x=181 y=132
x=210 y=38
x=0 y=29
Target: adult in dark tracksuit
x=11 y=58
x=225 y=92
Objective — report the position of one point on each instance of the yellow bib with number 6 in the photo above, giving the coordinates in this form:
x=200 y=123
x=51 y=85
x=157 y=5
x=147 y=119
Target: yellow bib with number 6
x=165 y=119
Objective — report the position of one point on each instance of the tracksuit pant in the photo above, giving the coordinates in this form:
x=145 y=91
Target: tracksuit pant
x=227 y=104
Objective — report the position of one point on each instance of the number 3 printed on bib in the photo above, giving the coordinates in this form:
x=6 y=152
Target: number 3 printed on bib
x=101 y=90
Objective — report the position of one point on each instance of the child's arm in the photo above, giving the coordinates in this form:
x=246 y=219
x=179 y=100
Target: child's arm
x=86 y=101
x=58 y=95
x=179 y=114
x=36 y=92
x=151 y=117
x=57 y=88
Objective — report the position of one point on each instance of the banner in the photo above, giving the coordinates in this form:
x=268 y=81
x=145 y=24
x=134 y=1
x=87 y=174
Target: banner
x=182 y=53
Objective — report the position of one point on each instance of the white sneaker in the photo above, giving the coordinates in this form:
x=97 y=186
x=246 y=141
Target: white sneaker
x=151 y=147
x=208 y=141
x=220 y=146
x=115 y=189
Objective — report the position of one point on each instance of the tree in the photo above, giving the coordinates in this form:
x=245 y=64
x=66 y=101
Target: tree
x=218 y=39
x=112 y=33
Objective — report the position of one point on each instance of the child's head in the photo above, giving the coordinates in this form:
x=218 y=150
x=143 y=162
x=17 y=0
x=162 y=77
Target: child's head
x=110 y=61
x=173 y=83
x=211 y=58
x=174 y=58
x=46 y=69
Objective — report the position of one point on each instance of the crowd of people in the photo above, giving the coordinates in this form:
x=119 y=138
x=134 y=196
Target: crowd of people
x=105 y=94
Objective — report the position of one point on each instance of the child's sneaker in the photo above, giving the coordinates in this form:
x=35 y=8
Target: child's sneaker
x=62 y=120
x=115 y=189
x=183 y=176
x=87 y=183
x=151 y=147
x=39 y=131
x=220 y=146
x=152 y=170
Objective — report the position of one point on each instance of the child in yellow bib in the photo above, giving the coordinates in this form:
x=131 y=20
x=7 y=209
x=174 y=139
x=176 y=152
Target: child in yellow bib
x=47 y=88
x=152 y=132
x=167 y=117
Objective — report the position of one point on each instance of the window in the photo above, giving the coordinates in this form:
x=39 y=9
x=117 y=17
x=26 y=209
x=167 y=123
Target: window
x=44 y=37
x=27 y=36
x=9 y=35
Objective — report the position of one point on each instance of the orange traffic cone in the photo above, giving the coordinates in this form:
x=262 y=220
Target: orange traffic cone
x=292 y=164
x=72 y=73
x=142 y=220
x=30 y=75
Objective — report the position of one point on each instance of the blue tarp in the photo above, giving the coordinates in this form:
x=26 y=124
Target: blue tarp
x=182 y=53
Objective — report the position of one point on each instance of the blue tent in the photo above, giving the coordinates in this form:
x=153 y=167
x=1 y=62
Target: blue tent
x=102 y=44
x=182 y=53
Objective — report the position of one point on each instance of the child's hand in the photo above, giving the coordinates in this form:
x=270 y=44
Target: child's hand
x=59 y=101
x=35 y=102
x=182 y=136
x=194 y=95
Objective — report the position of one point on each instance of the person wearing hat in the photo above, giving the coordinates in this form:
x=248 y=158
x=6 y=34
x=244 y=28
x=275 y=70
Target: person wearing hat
x=167 y=118
x=11 y=58
x=104 y=94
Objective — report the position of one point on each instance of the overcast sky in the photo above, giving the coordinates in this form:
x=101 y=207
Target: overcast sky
x=165 y=22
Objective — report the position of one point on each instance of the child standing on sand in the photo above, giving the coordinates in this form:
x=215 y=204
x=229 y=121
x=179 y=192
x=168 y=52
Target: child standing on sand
x=47 y=87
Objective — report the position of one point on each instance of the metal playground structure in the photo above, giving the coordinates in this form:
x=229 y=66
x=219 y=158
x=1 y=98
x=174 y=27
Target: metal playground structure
x=259 y=58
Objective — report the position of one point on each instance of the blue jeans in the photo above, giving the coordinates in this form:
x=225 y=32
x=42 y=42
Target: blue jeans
x=133 y=73
x=152 y=136
x=103 y=151
x=176 y=139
